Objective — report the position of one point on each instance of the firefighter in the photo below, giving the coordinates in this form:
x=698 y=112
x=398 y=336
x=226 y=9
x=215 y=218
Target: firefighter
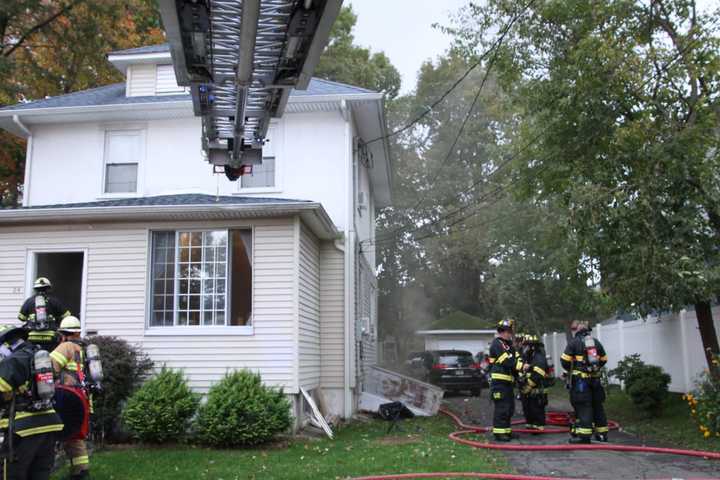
x=532 y=369
x=502 y=378
x=41 y=313
x=36 y=425
x=72 y=397
x=583 y=359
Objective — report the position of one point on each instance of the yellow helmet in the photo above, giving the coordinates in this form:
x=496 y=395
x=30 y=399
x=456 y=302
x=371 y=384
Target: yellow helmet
x=505 y=324
x=42 y=283
x=70 y=325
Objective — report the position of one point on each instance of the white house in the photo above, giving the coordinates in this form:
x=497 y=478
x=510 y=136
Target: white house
x=145 y=243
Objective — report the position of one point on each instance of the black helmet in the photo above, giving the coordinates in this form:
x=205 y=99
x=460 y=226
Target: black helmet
x=9 y=332
x=505 y=324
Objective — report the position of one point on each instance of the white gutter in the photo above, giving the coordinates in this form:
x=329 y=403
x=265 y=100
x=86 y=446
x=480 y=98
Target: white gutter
x=349 y=251
x=28 y=159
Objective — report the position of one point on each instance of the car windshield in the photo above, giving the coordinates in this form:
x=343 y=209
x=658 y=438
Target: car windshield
x=460 y=359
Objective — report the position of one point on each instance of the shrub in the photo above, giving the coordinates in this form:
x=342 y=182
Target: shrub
x=647 y=385
x=705 y=403
x=125 y=367
x=161 y=409
x=241 y=411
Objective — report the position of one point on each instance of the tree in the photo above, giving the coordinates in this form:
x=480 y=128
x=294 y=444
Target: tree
x=54 y=47
x=454 y=233
x=620 y=119
x=343 y=61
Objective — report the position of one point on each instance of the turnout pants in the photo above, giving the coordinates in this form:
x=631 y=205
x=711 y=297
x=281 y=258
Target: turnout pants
x=34 y=458
x=76 y=451
x=504 y=403
x=587 y=396
x=534 y=409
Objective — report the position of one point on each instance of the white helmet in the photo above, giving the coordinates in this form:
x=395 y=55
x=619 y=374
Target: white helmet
x=70 y=324
x=42 y=283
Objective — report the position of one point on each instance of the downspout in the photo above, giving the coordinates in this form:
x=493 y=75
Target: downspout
x=349 y=251
x=28 y=159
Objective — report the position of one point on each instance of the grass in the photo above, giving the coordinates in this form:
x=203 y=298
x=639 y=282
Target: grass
x=358 y=449
x=674 y=427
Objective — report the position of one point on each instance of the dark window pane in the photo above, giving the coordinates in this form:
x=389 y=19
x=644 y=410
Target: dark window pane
x=182 y=318
x=183 y=302
x=240 y=287
x=184 y=255
x=194 y=318
x=220 y=286
x=195 y=286
x=207 y=318
x=196 y=239
x=220 y=318
x=195 y=302
x=196 y=255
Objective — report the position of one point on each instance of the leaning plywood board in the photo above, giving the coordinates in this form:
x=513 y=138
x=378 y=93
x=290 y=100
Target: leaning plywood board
x=317 y=419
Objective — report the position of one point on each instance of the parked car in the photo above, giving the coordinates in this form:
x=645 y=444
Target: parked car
x=455 y=370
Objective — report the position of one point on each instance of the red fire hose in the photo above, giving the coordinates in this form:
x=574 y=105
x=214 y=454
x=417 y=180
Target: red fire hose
x=560 y=419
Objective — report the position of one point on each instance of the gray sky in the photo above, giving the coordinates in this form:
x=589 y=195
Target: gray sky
x=403 y=30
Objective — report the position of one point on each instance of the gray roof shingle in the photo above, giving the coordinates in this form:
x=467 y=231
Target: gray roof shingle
x=187 y=199
x=114 y=94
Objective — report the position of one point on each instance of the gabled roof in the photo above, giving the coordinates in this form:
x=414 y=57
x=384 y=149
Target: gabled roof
x=114 y=94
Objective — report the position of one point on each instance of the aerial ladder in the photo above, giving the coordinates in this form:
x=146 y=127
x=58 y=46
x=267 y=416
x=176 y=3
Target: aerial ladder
x=240 y=60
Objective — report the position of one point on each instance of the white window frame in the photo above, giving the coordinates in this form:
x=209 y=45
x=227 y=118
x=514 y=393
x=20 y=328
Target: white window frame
x=278 y=142
x=140 y=184
x=199 y=330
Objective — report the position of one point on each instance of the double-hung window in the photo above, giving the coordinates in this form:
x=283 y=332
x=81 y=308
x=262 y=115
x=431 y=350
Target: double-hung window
x=201 y=278
x=123 y=153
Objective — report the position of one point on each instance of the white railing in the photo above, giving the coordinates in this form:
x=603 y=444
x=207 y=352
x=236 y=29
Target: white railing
x=671 y=341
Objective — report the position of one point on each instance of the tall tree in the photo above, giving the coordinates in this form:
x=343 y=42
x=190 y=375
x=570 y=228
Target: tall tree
x=343 y=61
x=621 y=102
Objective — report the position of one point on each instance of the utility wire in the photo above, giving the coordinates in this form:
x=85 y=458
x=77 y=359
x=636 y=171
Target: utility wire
x=495 y=45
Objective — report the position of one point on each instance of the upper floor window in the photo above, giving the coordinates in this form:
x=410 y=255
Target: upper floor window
x=262 y=176
x=265 y=174
x=123 y=152
x=165 y=82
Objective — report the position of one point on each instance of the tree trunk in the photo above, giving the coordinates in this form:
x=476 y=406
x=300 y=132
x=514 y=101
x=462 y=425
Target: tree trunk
x=703 y=311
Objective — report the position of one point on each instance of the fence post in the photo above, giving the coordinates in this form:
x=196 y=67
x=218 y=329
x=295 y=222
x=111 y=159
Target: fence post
x=556 y=357
x=685 y=358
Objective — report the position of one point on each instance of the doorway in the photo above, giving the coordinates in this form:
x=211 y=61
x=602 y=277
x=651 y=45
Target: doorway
x=66 y=272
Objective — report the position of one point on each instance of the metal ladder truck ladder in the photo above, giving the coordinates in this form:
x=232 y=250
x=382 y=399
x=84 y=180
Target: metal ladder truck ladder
x=241 y=59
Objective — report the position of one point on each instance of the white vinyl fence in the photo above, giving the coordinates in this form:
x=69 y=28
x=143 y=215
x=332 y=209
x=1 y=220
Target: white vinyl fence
x=671 y=341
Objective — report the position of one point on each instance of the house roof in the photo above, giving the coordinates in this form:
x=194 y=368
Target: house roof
x=159 y=48
x=114 y=94
x=180 y=207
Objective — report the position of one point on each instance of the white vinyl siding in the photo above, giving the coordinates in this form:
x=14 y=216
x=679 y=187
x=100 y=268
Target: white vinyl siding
x=166 y=84
x=141 y=80
x=309 y=309
x=116 y=296
x=332 y=316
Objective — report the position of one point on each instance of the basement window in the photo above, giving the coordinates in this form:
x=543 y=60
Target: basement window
x=201 y=278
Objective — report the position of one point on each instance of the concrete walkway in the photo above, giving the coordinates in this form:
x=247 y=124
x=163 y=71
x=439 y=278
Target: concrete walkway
x=585 y=464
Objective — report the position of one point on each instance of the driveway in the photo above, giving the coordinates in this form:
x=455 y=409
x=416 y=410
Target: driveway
x=584 y=464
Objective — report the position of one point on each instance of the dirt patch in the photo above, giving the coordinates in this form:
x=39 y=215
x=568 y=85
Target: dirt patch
x=405 y=440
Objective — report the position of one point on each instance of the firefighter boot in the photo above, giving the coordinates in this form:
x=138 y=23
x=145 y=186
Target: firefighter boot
x=502 y=437
x=601 y=437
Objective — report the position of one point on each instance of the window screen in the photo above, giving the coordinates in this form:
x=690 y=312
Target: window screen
x=262 y=175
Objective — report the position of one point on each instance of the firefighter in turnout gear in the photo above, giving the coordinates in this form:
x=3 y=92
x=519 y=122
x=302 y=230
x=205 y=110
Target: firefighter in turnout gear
x=42 y=312
x=72 y=397
x=502 y=360
x=26 y=384
x=532 y=368
x=583 y=359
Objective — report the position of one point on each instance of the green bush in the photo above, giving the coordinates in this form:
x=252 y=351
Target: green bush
x=241 y=411
x=161 y=409
x=705 y=403
x=647 y=385
x=125 y=367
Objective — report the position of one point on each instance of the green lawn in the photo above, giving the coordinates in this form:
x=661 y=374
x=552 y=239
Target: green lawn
x=674 y=427
x=359 y=449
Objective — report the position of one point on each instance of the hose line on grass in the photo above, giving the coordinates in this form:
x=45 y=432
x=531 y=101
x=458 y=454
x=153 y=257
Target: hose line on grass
x=559 y=419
